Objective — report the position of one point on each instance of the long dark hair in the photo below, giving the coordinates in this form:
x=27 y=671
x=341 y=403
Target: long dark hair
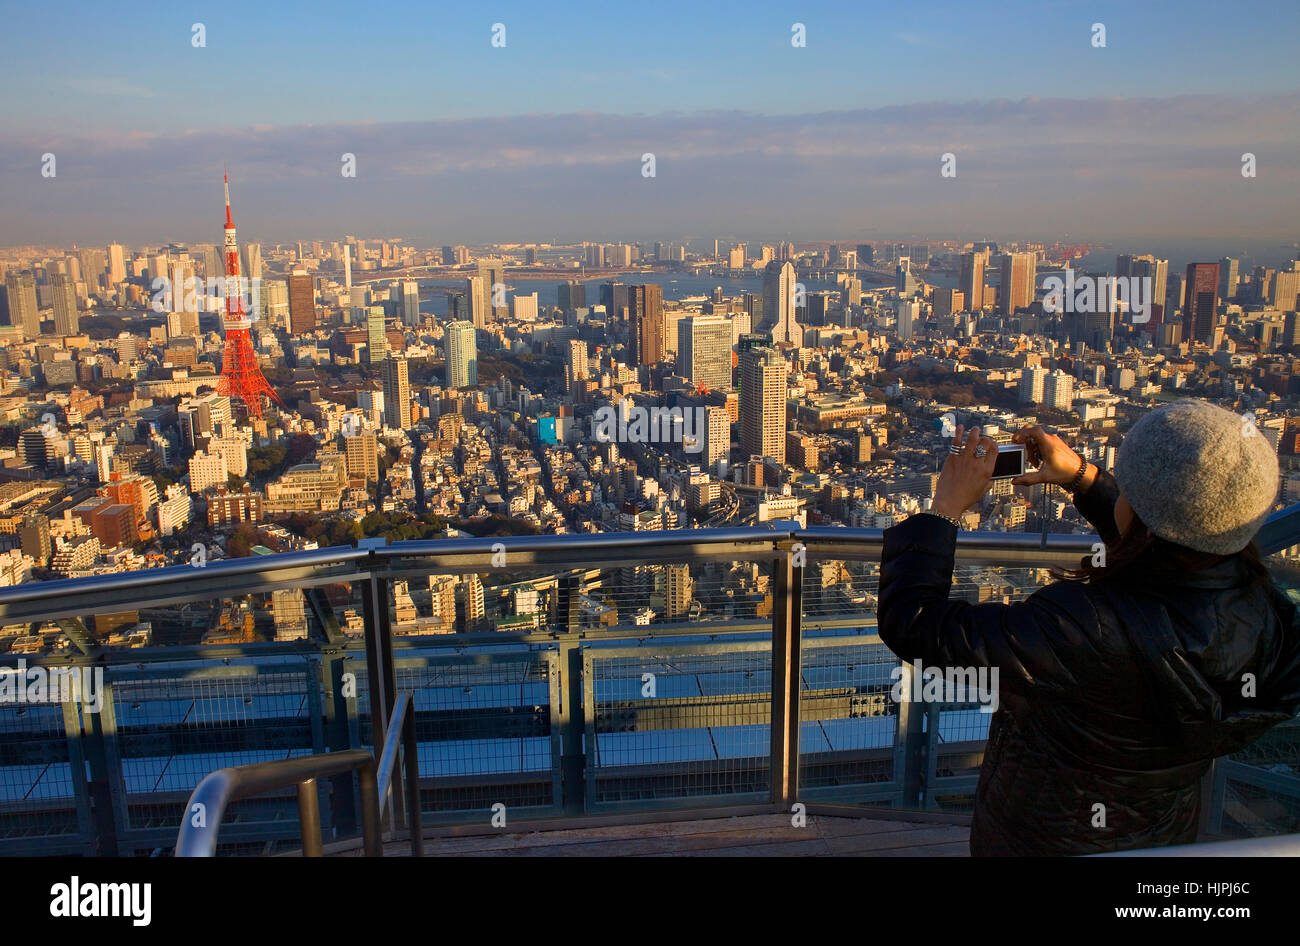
x=1139 y=546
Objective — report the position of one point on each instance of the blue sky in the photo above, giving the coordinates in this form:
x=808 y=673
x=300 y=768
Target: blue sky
x=460 y=141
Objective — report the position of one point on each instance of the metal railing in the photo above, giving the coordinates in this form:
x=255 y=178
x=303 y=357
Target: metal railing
x=207 y=805
x=775 y=699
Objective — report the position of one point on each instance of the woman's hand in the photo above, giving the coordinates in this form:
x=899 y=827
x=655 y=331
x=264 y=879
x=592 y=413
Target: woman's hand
x=965 y=477
x=1057 y=463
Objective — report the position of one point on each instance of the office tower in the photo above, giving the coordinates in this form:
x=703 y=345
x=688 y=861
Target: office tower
x=904 y=281
x=116 y=263
x=302 y=302
x=1228 y=278
x=476 y=299
x=397 y=393
x=252 y=253
x=1286 y=286
x=971 y=281
x=493 y=273
x=909 y=314
x=409 y=302
x=779 y=290
x=763 y=403
x=947 y=302
x=1156 y=270
x=704 y=351
x=717 y=434
x=1017 y=272
x=526 y=307
x=646 y=311
x=736 y=258
x=362 y=455
x=34 y=536
x=20 y=289
x=1202 y=292
x=65 y=304
x=819 y=308
x=575 y=367
x=614 y=297
x=851 y=293
x=573 y=295
x=376 y=337
x=347 y=266
x=462 y=355
x=1032 y=381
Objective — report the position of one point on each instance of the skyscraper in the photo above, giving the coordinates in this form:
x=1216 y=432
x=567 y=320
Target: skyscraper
x=1147 y=267
x=476 y=298
x=613 y=296
x=646 y=307
x=1202 y=292
x=971 y=281
x=397 y=393
x=302 y=302
x=572 y=295
x=410 y=302
x=1228 y=278
x=65 y=304
x=116 y=263
x=1016 y=291
x=493 y=272
x=376 y=337
x=704 y=351
x=779 y=290
x=763 y=403
x=462 y=355
x=575 y=368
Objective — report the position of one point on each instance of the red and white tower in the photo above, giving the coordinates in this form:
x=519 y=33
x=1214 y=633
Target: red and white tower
x=240 y=375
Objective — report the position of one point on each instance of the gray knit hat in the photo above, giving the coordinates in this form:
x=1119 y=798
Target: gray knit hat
x=1199 y=476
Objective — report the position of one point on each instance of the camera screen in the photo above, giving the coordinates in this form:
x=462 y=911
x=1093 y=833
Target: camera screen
x=1009 y=463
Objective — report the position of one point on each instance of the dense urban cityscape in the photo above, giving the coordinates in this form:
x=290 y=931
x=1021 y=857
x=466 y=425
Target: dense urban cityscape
x=425 y=392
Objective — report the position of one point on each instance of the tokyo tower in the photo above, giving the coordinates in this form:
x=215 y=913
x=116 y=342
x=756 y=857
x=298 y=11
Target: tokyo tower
x=240 y=375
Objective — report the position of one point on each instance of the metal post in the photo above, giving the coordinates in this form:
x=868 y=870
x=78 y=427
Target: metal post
x=309 y=818
x=410 y=755
x=368 y=789
x=379 y=668
x=787 y=612
x=910 y=754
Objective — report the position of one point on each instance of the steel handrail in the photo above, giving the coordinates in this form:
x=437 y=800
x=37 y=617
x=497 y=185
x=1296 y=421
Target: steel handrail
x=201 y=822
x=1284 y=845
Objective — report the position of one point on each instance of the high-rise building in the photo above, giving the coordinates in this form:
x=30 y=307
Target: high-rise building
x=476 y=298
x=116 y=263
x=717 y=434
x=65 y=304
x=1285 y=289
x=493 y=273
x=1228 y=278
x=525 y=307
x=362 y=455
x=410 y=302
x=909 y=314
x=779 y=298
x=763 y=375
x=614 y=297
x=971 y=281
x=575 y=368
x=678 y=589
x=376 y=335
x=704 y=351
x=1032 y=381
x=1058 y=390
x=462 y=355
x=1016 y=291
x=646 y=305
x=1202 y=301
x=397 y=393
x=20 y=289
x=1147 y=267
x=302 y=303
x=572 y=295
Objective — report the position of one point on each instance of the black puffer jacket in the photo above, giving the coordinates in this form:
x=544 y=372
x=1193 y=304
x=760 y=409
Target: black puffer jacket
x=1115 y=692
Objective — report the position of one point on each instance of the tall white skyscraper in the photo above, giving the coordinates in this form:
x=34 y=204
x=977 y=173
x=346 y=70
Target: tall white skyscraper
x=65 y=304
x=462 y=355
x=779 y=289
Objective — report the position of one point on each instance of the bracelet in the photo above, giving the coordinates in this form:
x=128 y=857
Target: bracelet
x=939 y=515
x=1078 y=477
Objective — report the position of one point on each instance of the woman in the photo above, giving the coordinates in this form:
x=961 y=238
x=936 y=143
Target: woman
x=1119 y=687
